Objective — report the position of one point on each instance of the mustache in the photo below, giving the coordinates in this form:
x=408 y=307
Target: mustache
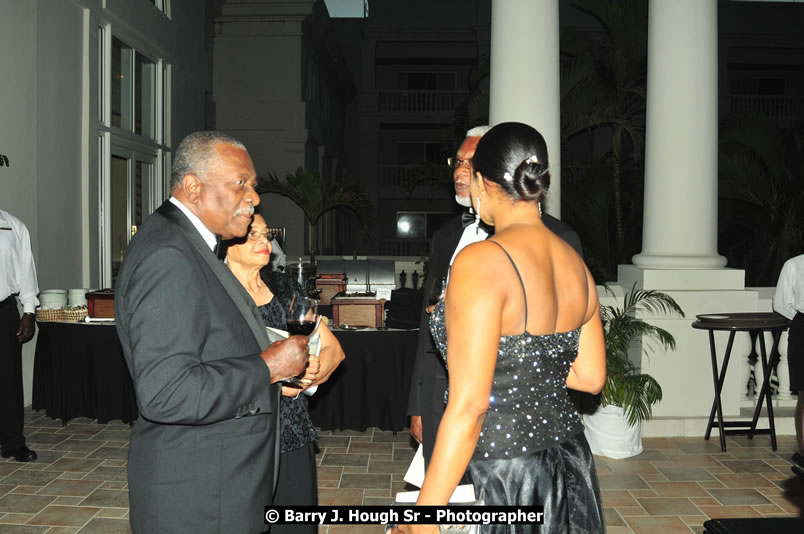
x=244 y=211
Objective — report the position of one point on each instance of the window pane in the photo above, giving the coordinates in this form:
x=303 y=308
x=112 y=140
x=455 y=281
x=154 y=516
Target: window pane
x=410 y=225
x=119 y=212
x=121 y=84
x=144 y=93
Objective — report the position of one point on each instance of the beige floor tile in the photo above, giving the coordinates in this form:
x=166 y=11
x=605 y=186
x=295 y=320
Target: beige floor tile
x=15 y=518
x=768 y=509
x=627 y=511
x=739 y=497
x=68 y=516
x=345 y=497
x=365 y=481
x=654 y=525
x=72 y=488
x=23 y=529
x=617 y=498
x=744 y=480
x=370 y=447
x=24 y=504
x=103 y=525
x=669 y=506
x=678 y=489
x=729 y=511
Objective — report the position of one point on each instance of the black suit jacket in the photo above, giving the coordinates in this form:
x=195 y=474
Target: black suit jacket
x=203 y=454
x=429 y=380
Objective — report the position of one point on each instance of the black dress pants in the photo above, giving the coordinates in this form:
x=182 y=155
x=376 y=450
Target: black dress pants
x=297 y=486
x=11 y=397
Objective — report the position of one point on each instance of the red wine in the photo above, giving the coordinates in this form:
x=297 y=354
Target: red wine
x=304 y=328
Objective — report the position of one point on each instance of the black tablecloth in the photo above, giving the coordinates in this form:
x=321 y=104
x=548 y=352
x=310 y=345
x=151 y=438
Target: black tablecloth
x=370 y=388
x=80 y=371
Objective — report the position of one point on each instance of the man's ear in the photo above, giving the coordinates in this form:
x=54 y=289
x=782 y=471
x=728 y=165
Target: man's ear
x=191 y=186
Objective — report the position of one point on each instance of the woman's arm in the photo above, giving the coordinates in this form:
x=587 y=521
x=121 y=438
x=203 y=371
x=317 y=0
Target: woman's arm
x=473 y=317
x=331 y=354
x=588 y=371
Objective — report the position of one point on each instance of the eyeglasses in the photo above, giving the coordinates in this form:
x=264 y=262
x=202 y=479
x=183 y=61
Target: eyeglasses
x=455 y=163
x=254 y=235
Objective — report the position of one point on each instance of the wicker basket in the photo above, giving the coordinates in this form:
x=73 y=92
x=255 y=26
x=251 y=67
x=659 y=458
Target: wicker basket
x=49 y=314
x=75 y=314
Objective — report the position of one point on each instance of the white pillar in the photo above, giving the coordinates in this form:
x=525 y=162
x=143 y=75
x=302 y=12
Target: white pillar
x=524 y=75
x=680 y=221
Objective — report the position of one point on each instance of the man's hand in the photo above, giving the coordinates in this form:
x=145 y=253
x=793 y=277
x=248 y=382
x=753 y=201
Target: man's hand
x=26 y=329
x=286 y=358
x=416 y=427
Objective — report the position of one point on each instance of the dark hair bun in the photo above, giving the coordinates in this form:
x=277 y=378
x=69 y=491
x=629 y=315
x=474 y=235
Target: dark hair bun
x=531 y=179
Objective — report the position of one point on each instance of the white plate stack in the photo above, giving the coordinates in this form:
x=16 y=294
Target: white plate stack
x=52 y=298
x=77 y=297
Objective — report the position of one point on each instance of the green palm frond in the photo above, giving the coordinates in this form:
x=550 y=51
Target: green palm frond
x=623 y=327
x=307 y=190
x=433 y=175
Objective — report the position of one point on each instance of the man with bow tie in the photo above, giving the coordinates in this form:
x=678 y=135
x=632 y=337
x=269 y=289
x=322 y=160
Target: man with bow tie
x=204 y=450
x=429 y=381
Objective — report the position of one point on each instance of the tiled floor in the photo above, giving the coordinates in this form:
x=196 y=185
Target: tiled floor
x=79 y=483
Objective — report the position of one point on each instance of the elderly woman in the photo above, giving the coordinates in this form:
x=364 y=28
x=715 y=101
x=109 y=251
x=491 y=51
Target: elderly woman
x=272 y=292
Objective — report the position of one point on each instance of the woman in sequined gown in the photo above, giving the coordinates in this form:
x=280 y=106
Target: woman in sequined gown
x=518 y=325
x=272 y=292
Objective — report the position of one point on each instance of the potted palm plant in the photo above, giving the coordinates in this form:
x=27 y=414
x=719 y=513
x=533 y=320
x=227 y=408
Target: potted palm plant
x=307 y=190
x=627 y=399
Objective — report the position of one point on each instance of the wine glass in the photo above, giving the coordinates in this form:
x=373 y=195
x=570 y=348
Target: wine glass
x=302 y=316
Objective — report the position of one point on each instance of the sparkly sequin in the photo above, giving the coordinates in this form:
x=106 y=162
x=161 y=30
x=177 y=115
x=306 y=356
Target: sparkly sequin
x=522 y=420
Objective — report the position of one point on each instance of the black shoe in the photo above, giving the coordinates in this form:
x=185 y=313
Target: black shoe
x=799 y=471
x=798 y=458
x=21 y=454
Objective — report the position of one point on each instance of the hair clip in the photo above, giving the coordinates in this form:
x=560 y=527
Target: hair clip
x=532 y=159
x=508 y=177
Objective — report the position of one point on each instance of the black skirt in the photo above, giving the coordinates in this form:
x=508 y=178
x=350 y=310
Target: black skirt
x=562 y=479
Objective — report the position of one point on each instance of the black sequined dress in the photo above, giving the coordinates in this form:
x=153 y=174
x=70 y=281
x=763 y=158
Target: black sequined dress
x=532 y=450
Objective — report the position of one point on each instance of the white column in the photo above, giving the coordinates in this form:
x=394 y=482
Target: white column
x=680 y=221
x=524 y=75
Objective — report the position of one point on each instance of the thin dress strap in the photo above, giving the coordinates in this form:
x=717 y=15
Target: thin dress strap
x=524 y=295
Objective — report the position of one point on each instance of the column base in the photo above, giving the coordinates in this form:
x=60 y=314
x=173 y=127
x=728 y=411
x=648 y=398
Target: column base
x=657 y=261
x=681 y=279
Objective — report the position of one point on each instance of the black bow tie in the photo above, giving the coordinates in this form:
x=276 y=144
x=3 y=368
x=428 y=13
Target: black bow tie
x=219 y=250
x=468 y=218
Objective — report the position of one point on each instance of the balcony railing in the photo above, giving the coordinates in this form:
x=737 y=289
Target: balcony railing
x=420 y=101
x=396 y=175
x=403 y=247
x=781 y=107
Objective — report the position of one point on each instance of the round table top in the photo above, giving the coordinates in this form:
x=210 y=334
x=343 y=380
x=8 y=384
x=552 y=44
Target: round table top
x=741 y=321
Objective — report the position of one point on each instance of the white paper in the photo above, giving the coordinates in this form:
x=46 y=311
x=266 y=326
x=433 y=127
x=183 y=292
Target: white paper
x=383 y=292
x=415 y=474
x=464 y=494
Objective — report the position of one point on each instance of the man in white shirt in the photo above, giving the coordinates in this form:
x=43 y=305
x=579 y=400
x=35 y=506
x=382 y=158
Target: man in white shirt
x=17 y=282
x=789 y=301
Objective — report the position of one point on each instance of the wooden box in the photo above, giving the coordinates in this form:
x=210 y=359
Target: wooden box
x=358 y=311
x=330 y=285
x=101 y=303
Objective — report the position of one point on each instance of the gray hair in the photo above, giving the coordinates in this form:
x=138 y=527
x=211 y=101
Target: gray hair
x=194 y=153
x=478 y=131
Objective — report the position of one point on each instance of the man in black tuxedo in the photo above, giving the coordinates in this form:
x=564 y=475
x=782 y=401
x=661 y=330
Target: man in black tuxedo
x=429 y=382
x=203 y=451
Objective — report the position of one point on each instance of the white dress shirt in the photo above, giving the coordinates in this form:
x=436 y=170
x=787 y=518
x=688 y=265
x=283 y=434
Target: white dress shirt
x=471 y=234
x=789 y=297
x=209 y=237
x=17 y=270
